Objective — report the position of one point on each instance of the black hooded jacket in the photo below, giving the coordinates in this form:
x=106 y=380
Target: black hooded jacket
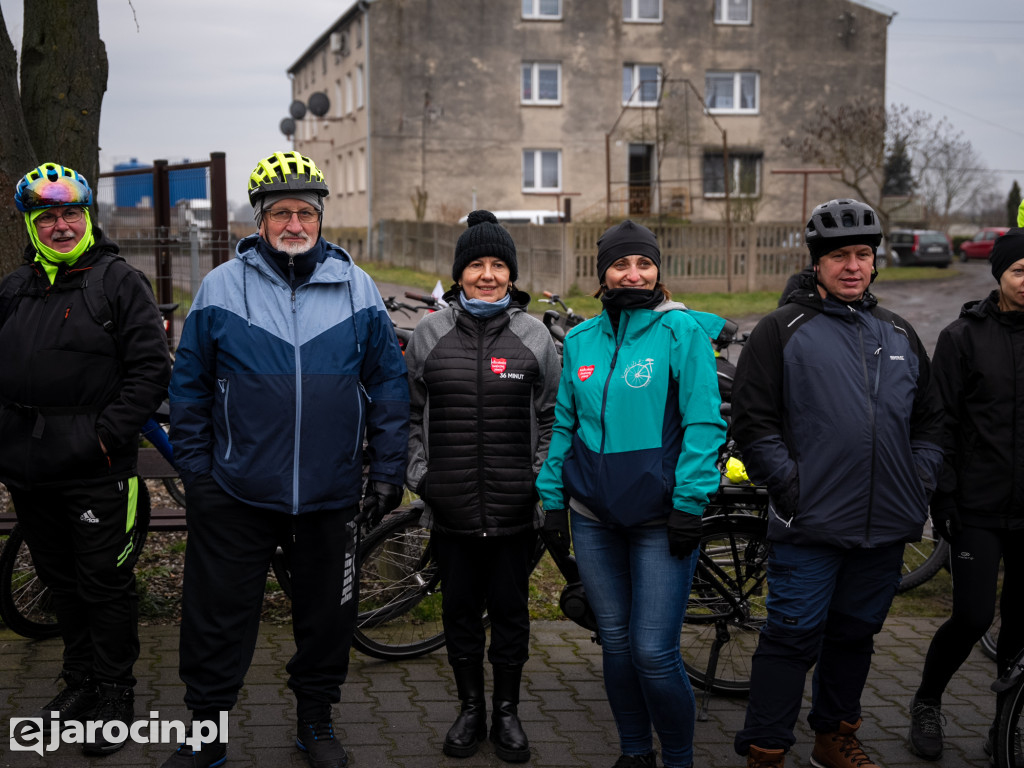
x=979 y=372
x=66 y=382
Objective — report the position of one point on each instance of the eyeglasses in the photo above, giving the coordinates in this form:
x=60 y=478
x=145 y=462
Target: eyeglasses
x=49 y=218
x=283 y=215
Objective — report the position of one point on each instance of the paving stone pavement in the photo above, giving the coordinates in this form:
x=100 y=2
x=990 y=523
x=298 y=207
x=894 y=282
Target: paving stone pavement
x=396 y=714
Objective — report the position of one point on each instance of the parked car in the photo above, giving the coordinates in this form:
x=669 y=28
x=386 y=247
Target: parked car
x=980 y=246
x=919 y=248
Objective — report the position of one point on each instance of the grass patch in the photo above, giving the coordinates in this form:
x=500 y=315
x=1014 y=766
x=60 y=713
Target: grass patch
x=905 y=274
x=403 y=276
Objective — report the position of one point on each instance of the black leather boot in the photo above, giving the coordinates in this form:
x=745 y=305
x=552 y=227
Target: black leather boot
x=470 y=727
x=510 y=742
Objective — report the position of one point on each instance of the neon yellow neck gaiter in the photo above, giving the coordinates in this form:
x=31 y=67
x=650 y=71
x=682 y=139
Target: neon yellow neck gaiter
x=50 y=259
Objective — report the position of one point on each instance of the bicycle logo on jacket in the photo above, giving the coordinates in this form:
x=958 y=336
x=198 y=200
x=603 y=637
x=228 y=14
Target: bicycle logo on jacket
x=638 y=375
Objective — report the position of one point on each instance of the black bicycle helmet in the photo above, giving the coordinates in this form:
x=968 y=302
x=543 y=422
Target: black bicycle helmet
x=286 y=172
x=839 y=223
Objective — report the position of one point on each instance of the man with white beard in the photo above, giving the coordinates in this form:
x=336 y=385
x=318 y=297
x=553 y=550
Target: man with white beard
x=287 y=360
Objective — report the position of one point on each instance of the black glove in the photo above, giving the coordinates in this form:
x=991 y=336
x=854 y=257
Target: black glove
x=684 y=532
x=556 y=529
x=380 y=499
x=945 y=517
x=787 y=498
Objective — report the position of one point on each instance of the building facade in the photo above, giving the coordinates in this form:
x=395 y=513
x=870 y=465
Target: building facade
x=618 y=107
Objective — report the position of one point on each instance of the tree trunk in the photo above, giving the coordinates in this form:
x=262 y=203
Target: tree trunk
x=63 y=79
x=16 y=155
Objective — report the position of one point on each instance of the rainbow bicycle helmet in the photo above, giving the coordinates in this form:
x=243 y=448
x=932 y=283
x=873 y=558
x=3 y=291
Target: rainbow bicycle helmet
x=286 y=172
x=52 y=185
x=839 y=223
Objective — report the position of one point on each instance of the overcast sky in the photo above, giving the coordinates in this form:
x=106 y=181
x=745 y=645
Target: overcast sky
x=188 y=77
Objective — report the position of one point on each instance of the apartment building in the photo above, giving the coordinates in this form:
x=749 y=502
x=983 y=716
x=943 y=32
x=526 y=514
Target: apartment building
x=615 y=107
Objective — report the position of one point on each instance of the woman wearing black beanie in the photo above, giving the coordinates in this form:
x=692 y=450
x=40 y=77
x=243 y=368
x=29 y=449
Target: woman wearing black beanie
x=482 y=376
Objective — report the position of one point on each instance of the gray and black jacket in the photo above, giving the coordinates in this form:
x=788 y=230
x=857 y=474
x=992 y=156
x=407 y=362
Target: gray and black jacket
x=482 y=396
x=834 y=411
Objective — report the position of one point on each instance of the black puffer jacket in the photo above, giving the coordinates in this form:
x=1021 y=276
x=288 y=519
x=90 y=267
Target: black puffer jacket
x=979 y=372
x=482 y=397
x=66 y=383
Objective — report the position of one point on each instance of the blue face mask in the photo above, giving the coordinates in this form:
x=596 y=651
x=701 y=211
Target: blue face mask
x=481 y=308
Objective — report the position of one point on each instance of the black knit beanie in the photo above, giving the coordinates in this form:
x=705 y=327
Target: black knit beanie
x=484 y=236
x=1007 y=249
x=626 y=239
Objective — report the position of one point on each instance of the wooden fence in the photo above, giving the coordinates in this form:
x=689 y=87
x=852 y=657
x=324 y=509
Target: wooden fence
x=555 y=257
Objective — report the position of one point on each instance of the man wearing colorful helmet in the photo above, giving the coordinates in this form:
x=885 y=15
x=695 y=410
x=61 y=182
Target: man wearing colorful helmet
x=834 y=412
x=287 y=361
x=83 y=364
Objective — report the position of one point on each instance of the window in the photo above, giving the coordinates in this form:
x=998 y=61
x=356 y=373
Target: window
x=641 y=84
x=361 y=171
x=348 y=94
x=732 y=11
x=542 y=170
x=359 y=87
x=744 y=175
x=542 y=83
x=350 y=177
x=641 y=10
x=339 y=103
x=542 y=9
x=735 y=92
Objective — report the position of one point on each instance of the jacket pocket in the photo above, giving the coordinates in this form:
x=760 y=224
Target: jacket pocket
x=224 y=385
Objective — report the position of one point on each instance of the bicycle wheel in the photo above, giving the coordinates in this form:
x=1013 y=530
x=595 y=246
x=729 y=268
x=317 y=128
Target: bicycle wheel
x=726 y=609
x=923 y=559
x=1008 y=750
x=399 y=590
x=26 y=604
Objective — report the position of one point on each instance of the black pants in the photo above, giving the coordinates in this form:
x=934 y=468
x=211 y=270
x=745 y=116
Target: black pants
x=81 y=541
x=491 y=573
x=974 y=562
x=230 y=545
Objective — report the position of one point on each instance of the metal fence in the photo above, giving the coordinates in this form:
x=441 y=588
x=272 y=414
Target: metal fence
x=171 y=222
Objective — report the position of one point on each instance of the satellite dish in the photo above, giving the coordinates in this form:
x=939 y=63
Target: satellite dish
x=288 y=127
x=319 y=104
x=297 y=110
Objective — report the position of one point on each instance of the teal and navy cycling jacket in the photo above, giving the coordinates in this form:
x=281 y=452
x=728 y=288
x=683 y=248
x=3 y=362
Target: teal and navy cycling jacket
x=274 y=389
x=637 y=420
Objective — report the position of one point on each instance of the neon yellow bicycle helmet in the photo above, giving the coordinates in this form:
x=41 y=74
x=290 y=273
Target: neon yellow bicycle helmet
x=51 y=185
x=286 y=172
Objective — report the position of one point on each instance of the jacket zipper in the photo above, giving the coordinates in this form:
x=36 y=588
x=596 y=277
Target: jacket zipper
x=623 y=323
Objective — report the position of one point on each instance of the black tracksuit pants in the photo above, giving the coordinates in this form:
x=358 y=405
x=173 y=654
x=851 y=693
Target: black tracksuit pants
x=230 y=545
x=485 y=573
x=81 y=539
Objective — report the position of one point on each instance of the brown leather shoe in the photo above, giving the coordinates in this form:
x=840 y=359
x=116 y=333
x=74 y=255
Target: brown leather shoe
x=766 y=758
x=840 y=749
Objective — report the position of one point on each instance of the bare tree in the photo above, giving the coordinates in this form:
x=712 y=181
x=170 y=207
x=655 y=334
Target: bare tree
x=857 y=138
x=952 y=177
x=55 y=117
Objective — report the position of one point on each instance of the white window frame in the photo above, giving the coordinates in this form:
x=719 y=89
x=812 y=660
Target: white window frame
x=631 y=12
x=348 y=94
x=535 y=69
x=532 y=10
x=737 y=80
x=361 y=171
x=635 y=96
x=536 y=157
x=359 y=86
x=736 y=161
x=722 y=8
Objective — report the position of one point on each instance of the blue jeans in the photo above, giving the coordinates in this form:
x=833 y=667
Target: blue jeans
x=639 y=592
x=825 y=605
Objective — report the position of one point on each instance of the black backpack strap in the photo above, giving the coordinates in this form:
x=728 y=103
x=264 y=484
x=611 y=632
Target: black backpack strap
x=16 y=287
x=95 y=296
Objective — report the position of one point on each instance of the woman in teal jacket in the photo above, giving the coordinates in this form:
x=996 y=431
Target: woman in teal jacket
x=632 y=462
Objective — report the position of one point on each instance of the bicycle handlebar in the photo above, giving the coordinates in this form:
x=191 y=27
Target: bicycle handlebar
x=430 y=301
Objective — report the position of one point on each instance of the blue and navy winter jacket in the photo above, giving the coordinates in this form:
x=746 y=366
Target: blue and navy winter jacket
x=637 y=423
x=833 y=405
x=274 y=389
